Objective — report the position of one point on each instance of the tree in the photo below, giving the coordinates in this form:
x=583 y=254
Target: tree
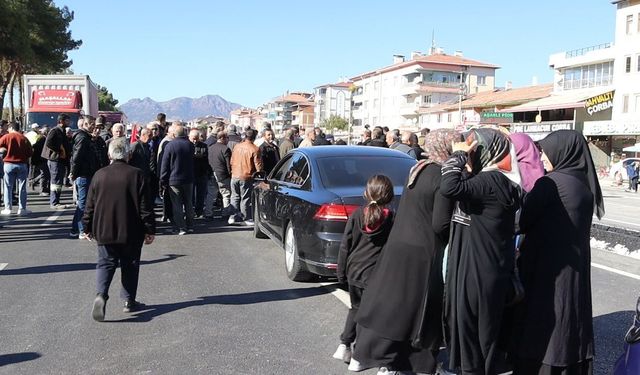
x=106 y=102
x=34 y=39
x=335 y=122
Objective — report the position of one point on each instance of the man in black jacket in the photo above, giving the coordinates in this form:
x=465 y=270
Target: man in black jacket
x=177 y=176
x=39 y=164
x=84 y=164
x=142 y=159
x=220 y=182
x=120 y=218
x=269 y=152
x=55 y=152
x=201 y=171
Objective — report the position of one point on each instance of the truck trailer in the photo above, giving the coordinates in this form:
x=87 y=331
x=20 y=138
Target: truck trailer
x=47 y=96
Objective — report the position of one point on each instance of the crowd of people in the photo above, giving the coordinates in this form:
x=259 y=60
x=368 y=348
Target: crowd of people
x=487 y=255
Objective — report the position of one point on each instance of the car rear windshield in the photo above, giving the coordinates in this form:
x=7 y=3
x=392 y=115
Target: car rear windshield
x=355 y=171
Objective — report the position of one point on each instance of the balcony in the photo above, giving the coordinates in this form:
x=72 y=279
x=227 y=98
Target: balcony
x=583 y=56
x=573 y=84
x=409 y=109
x=428 y=87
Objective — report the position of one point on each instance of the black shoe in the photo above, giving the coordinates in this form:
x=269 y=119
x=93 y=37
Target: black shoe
x=132 y=306
x=99 y=305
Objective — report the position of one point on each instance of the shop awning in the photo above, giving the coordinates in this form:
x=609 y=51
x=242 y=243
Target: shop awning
x=565 y=99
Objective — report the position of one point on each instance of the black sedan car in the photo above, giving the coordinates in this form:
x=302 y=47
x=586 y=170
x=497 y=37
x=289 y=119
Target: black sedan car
x=304 y=203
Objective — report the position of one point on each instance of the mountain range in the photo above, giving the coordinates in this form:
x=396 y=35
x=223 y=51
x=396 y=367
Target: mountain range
x=185 y=109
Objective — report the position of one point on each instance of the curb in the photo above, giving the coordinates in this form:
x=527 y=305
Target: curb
x=621 y=239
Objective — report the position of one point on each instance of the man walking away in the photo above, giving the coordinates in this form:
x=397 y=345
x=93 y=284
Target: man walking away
x=177 y=176
x=55 y=152
x=201 y=171
x=39 y=170
x=287 y=144
x=233 y=136
x=220 y=162
x=245 y=161
x=84 y=164
x=269 y=152
x=120 y=217
x=17 y=151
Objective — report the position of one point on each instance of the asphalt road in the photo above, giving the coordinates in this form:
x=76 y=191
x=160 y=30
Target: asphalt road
x=622 y=209
x=218 y=301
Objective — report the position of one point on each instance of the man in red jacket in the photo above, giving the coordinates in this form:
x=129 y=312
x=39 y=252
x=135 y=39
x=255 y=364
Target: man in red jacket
x=17 y=149
x=119 y=215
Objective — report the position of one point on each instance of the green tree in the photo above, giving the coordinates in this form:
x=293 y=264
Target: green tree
x=106 y=102
x=335 y=122
x=34 y=39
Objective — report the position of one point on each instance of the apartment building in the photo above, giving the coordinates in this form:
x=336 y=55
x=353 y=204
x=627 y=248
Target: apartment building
x=394 y=95
x=332 y=100
x=624 y=129
x=246 y=117
x=279 y=111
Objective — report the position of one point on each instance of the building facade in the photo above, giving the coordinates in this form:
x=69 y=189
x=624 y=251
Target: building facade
x=393 y=96
x=332 y=100
x=279 y=111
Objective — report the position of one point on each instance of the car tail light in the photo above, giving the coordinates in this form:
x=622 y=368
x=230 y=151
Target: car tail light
x=335 y=212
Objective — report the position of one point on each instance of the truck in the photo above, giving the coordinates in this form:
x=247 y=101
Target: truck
x=114 y=116
x=47 y=96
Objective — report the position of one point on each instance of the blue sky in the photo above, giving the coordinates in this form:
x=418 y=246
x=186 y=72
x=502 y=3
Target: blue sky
x=249 y=51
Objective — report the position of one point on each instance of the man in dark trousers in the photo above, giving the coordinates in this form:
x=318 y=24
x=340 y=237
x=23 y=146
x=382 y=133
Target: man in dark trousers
x=55 y=152
x=84 y=164
x=245 y=161
x=141 y=158
x=39 y=164
x=120 y=218
x=201 y=172
x=220 y=162
x=177 y=176
x=269 y=151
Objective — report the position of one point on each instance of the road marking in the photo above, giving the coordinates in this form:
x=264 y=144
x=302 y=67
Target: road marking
x=617 y=221
x=619 y=272
x=3 y=265
x=52 y=219
x=339 y=294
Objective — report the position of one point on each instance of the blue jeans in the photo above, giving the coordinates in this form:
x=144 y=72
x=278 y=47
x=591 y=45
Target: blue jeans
x=15 y=172
x=82 y=188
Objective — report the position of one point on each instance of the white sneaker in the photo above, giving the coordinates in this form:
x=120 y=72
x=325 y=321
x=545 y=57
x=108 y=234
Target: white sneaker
x=354 y=365
x=24 y=212
x=232 y=219
x=383 y=371
x=5 y=212
x=343 y=353
x=249 y=223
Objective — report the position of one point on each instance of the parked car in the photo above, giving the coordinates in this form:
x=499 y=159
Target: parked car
x=620 y=168
x=629 y=361
x=304 y=203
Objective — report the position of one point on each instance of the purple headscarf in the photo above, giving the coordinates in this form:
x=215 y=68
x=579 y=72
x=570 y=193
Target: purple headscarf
x=529 y=161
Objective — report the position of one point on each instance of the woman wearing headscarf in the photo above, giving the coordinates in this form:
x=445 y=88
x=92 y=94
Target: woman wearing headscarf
x=529 y=161
x=400 y=316
x=554 y=326
x=481 y=248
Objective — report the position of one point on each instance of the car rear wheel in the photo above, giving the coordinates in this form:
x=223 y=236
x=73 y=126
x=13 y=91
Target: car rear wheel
x=295 y=269
x=257 y=233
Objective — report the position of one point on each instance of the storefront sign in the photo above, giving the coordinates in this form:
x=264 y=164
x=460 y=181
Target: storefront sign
x=543 y=127
x=496 y=117
x=599 y=103
x=611 y=128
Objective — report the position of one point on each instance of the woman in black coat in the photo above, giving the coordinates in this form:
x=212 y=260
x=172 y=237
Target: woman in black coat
x=554 y=324
x=399 y=322
x=481 y=248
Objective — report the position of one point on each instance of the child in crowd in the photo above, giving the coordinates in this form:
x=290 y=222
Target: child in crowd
x=365 y=234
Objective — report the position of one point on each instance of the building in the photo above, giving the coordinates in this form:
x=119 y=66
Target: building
x=246 y=117
x=481 y=108
x=332 y=100
x=624 y=128
x=393 y=96
x=279 y=111
x=303 y=115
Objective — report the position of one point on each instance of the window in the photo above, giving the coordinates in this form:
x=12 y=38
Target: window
x=627 y=65
x=637 y=104
x=638 y=63
x=365 y=105
x=639 y=22
x=625 y=104
x=629 y=23
x=366 y=87
x=375 y=85
x=395 y=81
x=338 y=172
x=426 y=99
x=482 y=80
x=439 y=118
x=449 y=117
